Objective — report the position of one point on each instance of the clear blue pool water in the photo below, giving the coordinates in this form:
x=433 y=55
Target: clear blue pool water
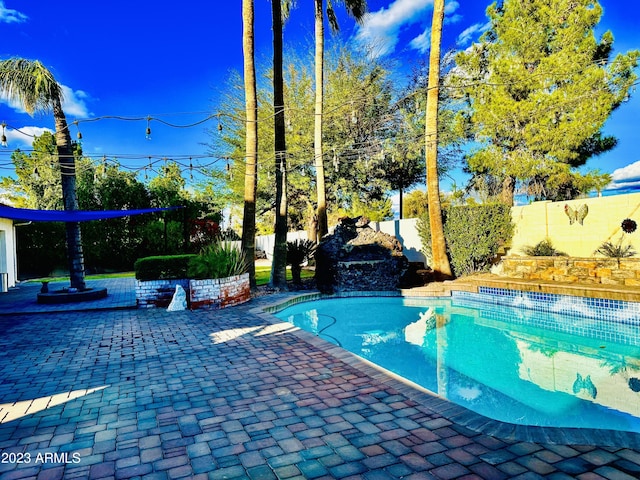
x=495 y=360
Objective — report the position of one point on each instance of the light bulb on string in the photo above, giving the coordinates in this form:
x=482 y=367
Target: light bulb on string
x=190 y=169
x=148 y=131
x=4 y=137
x=79 y=134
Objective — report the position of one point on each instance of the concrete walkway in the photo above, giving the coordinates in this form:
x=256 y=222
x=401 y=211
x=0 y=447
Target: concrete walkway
x=233 y=394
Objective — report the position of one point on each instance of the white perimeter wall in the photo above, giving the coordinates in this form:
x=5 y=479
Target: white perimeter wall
x=533 y=223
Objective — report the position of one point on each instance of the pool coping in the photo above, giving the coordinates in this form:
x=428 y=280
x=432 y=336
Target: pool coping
x=447 y=409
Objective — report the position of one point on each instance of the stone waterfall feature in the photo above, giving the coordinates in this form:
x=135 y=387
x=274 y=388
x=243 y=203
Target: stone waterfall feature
x=356 y=257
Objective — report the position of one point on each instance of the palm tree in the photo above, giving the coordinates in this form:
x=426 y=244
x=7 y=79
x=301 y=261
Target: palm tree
x=440 y=261
x=251 y=149
x=357 y=10
x=34 y=86
x=280 y=11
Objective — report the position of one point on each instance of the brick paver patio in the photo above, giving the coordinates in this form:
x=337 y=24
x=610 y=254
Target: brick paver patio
x=229 y=394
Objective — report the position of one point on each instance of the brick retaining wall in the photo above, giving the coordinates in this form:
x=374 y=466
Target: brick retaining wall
x=158 y=293
x=606 y=271
x=219 y=292
x=209 y=293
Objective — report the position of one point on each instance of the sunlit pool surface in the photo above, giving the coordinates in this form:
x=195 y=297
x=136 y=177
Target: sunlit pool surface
x=495 y=360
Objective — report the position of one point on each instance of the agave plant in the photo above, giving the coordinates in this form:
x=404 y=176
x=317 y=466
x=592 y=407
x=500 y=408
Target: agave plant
x=218 y=260
x=299 y=252
x=543 y=249
x=616 y=250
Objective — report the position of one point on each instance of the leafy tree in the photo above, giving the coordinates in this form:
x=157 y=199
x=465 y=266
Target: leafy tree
x=360 y=128
x=34 y=86
x=110 y=243
x=539 y=87
x=415 y=204
x=37 y=184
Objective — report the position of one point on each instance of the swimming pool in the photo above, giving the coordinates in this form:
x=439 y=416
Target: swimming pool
x=524 y=361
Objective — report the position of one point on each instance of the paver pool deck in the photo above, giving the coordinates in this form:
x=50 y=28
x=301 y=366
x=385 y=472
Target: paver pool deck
x=234 y=393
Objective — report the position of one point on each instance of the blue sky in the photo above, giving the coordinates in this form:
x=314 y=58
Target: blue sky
x=139 y=59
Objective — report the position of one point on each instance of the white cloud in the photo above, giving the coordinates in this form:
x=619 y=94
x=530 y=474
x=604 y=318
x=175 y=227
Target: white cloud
x=627 y=177
x=8 y=15
x=422 y=42
x=382 y=28
x=468 y=34
x=74 y=102
x=23 y=136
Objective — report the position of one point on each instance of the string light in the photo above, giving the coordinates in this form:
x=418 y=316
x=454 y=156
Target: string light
x=4 y=137
x=148 y=132
x=79 y=135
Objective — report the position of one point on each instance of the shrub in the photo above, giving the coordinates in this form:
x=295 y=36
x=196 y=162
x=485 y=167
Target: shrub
x=615 y=250
x=162 y=267
x=543 y=249
x=298 y=252
x=218 y=260
x=473 y=233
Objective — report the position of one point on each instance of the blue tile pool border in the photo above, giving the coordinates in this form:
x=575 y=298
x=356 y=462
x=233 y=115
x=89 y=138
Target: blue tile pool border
x=443 y=407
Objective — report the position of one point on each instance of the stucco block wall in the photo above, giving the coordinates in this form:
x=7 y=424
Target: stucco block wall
x=8 y=251
x=406 y=232
x=540 y=220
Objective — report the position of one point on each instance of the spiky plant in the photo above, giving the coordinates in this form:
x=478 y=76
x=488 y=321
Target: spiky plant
x=615 y=250
x=299 y=252
x=218 y=260
x=543 y=249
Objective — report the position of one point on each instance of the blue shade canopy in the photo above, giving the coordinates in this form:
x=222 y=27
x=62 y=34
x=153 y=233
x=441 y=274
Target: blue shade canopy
x=72 y=216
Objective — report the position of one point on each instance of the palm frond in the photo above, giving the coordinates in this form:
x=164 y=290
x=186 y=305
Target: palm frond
x=30 y=83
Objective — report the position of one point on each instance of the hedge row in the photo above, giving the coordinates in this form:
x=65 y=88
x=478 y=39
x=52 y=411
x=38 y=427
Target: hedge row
x=162 y=267
x=474 y=234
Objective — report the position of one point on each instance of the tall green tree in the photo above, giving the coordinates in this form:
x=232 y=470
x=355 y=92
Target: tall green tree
x=539 y=87
x=440 y=260
x=251 y=139
x=361 y=127
x=357 y=10
x=34 y=86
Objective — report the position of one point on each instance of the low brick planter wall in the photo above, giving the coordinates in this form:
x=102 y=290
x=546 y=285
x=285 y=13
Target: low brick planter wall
x=593 y=270
x=158 y=293
x=219 y=292
x=208 y=293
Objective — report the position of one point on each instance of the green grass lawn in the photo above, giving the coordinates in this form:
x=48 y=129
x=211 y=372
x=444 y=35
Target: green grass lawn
x=99 y=276
x=262 y=276
x=263 y=273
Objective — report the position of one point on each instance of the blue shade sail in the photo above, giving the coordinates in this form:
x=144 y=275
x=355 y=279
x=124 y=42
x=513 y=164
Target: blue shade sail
x=71 y=216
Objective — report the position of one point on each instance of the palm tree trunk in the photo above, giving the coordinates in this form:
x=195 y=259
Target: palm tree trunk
x=323 y=228
x=279 y=263
x=251 y=149
x=441 y=266
x=70 y=198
